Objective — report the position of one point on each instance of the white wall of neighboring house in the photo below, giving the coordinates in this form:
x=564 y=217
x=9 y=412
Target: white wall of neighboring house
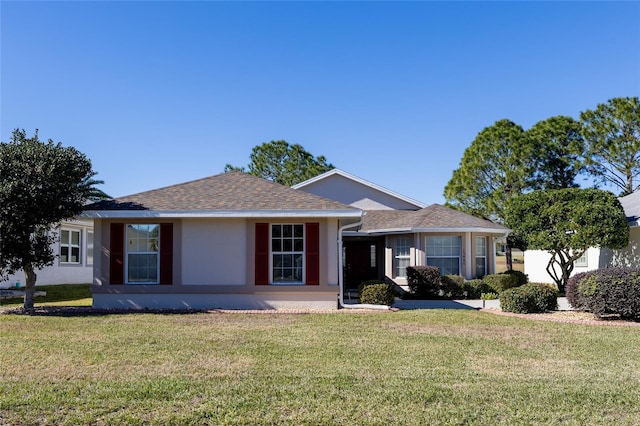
x=535 y=261
x=74 y=272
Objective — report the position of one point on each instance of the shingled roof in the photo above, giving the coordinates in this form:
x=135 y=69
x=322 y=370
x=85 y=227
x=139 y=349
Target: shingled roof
x=225 y=192
x=433 y=217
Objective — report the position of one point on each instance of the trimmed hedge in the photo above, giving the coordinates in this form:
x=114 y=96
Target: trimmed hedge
x=452 y=287
x=501 y=282
x=529 y=298
x=377 y=294
x=476 y=288
x=424 y=281
x=610 y=291
x=522 y=277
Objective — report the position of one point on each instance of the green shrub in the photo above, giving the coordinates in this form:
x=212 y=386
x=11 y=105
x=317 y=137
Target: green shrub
x=367 y=283
x=377 y=294
x=424 y=281
x=475 y=288
x=529 y=298
x=501 y=282
x=489 y=296
x=522 y=277
x=610 y=291
x=452 y=287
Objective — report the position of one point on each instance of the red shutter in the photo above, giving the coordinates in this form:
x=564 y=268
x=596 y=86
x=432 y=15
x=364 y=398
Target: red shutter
x=262 y=254
x=312 y=253
x=166 y=253
x=116 y=254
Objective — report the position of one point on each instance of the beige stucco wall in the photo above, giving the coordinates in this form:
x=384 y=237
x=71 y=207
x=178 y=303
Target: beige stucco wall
x=213 y=252
x=217 y=255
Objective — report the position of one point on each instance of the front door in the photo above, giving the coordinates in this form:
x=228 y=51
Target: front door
x=361 y=262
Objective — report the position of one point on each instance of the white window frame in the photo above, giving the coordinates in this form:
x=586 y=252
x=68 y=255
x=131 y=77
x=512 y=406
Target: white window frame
x=582 y=261
x=129 y=252
x=401 y=253
x=70 y=246
x=89 y=248
x=293 y=252
x=478 y=256
x=432 y=256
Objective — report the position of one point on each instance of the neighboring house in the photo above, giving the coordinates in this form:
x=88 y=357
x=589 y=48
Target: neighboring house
x=238 y=241
x=398 y=232
x=74 y=261
x=535 y=261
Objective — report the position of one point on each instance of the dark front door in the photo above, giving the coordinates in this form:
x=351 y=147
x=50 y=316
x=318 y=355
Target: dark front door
x=361 y=262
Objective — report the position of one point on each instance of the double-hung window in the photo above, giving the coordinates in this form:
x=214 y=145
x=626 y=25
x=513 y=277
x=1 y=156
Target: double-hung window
x=481 y=257
x=287 y=251
x=142 y=253
x=402 y=256
x=69 y=246
x=444 y=251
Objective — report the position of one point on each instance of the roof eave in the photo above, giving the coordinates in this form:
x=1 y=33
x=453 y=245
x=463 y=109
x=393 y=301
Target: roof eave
x=436 y=230
x=140 y=214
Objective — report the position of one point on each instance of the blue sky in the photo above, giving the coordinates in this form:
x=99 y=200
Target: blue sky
x=158 y=93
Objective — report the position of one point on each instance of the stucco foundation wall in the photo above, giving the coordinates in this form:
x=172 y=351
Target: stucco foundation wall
x=217 y=301
x=214 y=252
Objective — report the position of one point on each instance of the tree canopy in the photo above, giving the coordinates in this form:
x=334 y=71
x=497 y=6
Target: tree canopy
x=285 y=164
x=558 y=147
x=565 y=223
x=41 y=184
x=495 y=167
x=612 y=134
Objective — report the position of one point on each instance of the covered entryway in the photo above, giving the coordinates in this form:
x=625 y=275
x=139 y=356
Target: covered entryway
x=363 y=260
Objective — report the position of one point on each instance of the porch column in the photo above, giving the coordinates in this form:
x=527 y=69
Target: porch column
x=467 y=256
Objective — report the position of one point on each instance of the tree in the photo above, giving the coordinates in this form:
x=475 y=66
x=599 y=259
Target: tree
x=612 y=134
x=41 y=184
x=283 y=163
x=558 y=150
x=496 y=167
x=565 y=223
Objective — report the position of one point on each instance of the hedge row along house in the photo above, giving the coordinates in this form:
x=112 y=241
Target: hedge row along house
x=237 y=241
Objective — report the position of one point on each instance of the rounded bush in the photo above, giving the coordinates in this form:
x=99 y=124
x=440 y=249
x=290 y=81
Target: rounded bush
x=529 y=298
x=501 y=282
x=367 y=283
x=610 y=291
x=377 y=294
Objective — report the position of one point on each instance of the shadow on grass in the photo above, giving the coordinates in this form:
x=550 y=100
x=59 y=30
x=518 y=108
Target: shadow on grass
x=87 y=311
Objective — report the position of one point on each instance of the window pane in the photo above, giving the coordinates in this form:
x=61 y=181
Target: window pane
x=298 y=245
x=64 y=237
x=276 y=231
x=287 y=245
x=298 y=231
x=89 y=248
x=276 y=245
x=64 y=254
x=481 y=268
x=287 y=231
x=75 y=254
x=447 y=265
x=75 y=238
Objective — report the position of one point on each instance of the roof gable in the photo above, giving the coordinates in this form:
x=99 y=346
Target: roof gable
x=631 y=205
x=225 y=192
x=349 y=189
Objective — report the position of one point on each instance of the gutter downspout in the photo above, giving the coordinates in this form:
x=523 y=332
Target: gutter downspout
x=341 y=303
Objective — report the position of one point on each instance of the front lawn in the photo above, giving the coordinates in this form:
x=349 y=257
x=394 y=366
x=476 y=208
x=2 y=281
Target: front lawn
x=56 y=295
x=408 y=367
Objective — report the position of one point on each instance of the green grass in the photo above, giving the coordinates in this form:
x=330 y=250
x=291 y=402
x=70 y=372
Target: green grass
x=57 y=295
x=410 y=367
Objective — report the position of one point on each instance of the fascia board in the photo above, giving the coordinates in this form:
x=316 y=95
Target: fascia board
x=434 y=230
x=119 y=214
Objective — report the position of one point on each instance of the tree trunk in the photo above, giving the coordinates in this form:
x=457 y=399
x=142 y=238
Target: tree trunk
x=30 y=287
x=508 y=257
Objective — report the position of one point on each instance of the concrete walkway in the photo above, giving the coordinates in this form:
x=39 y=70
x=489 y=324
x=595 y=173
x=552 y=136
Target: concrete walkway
x=563 y=304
